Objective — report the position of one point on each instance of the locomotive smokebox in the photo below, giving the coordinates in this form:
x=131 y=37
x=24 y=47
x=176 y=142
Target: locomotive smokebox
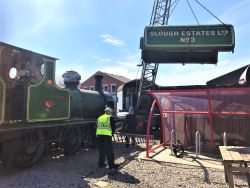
x=98 y=82
x=85 y=104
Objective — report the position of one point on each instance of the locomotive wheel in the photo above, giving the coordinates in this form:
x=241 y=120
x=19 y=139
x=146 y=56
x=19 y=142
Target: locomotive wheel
x=72 y=140
x=33 y=149
x=89 y=138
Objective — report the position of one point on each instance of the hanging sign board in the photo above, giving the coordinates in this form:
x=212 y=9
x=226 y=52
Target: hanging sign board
x=200 y=37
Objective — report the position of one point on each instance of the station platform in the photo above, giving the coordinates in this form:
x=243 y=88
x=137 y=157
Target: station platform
x=163 y=154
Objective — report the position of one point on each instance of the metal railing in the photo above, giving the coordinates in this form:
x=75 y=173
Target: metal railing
x=173 y=134
x=198 y=143
x=139 y=138
x=225 y=139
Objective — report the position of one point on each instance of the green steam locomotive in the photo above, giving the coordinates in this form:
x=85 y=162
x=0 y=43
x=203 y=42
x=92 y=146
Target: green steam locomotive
x=35 y=112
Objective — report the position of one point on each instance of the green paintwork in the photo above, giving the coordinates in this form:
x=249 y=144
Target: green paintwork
x=200 y=37
x=2 y=97
x=86 y=104
x=42 y=92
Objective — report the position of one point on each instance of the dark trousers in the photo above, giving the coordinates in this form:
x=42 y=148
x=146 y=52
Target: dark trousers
x=127 y=139
x=105 y=150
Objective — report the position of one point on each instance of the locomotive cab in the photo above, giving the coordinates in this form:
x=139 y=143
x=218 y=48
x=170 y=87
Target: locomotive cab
x=37 y=115
x=27 y=92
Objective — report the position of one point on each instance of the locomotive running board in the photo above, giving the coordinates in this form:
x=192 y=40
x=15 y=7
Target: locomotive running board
x=139 y=138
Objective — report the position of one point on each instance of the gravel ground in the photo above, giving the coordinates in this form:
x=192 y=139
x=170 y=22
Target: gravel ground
x=81 y=171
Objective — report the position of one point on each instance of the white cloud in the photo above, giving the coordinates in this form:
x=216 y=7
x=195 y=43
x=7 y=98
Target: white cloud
x=79 y=68
x=75 y=65
x=174 y=75
x=100 y=59
x=129 y=61
x=35 y=18
x=125 y=66
x=107 y=38
x=121 y=71
x=240 y=7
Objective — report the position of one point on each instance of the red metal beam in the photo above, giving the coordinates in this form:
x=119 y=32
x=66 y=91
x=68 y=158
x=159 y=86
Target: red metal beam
x=148 y=127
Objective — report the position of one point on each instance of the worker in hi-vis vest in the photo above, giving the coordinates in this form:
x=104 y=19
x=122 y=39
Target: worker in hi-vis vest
x=104 y=131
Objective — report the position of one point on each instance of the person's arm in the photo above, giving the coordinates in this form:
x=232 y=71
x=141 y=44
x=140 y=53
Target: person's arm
x=134 y=122
x=126 y=126
x=112 y=124
x=95 y=126
x=126 y=120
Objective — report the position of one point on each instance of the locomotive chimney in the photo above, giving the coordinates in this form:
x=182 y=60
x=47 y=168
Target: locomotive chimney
x=71 y=79
x=98 y=82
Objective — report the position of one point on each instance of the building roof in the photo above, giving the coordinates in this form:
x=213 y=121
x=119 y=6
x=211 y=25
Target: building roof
x=133 y=84
x=232 y=77
x=120 y=88
x=117 y=77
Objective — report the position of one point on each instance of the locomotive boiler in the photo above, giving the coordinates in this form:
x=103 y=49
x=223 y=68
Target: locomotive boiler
x=35 y=112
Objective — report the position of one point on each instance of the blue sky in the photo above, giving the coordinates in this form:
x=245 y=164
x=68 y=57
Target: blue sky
x=103 y=35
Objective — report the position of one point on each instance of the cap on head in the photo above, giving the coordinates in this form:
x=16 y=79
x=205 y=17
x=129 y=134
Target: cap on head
x=108 y=110
x=131 y=109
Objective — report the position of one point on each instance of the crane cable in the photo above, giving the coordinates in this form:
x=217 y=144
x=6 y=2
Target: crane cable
x=193 y=12
x=209 y=12
x=176 y=3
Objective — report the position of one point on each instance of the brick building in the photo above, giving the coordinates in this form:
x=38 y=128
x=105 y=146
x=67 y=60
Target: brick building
x=109 y=83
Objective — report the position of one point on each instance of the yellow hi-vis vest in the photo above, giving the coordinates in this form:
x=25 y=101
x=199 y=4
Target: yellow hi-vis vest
x=103 y=125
